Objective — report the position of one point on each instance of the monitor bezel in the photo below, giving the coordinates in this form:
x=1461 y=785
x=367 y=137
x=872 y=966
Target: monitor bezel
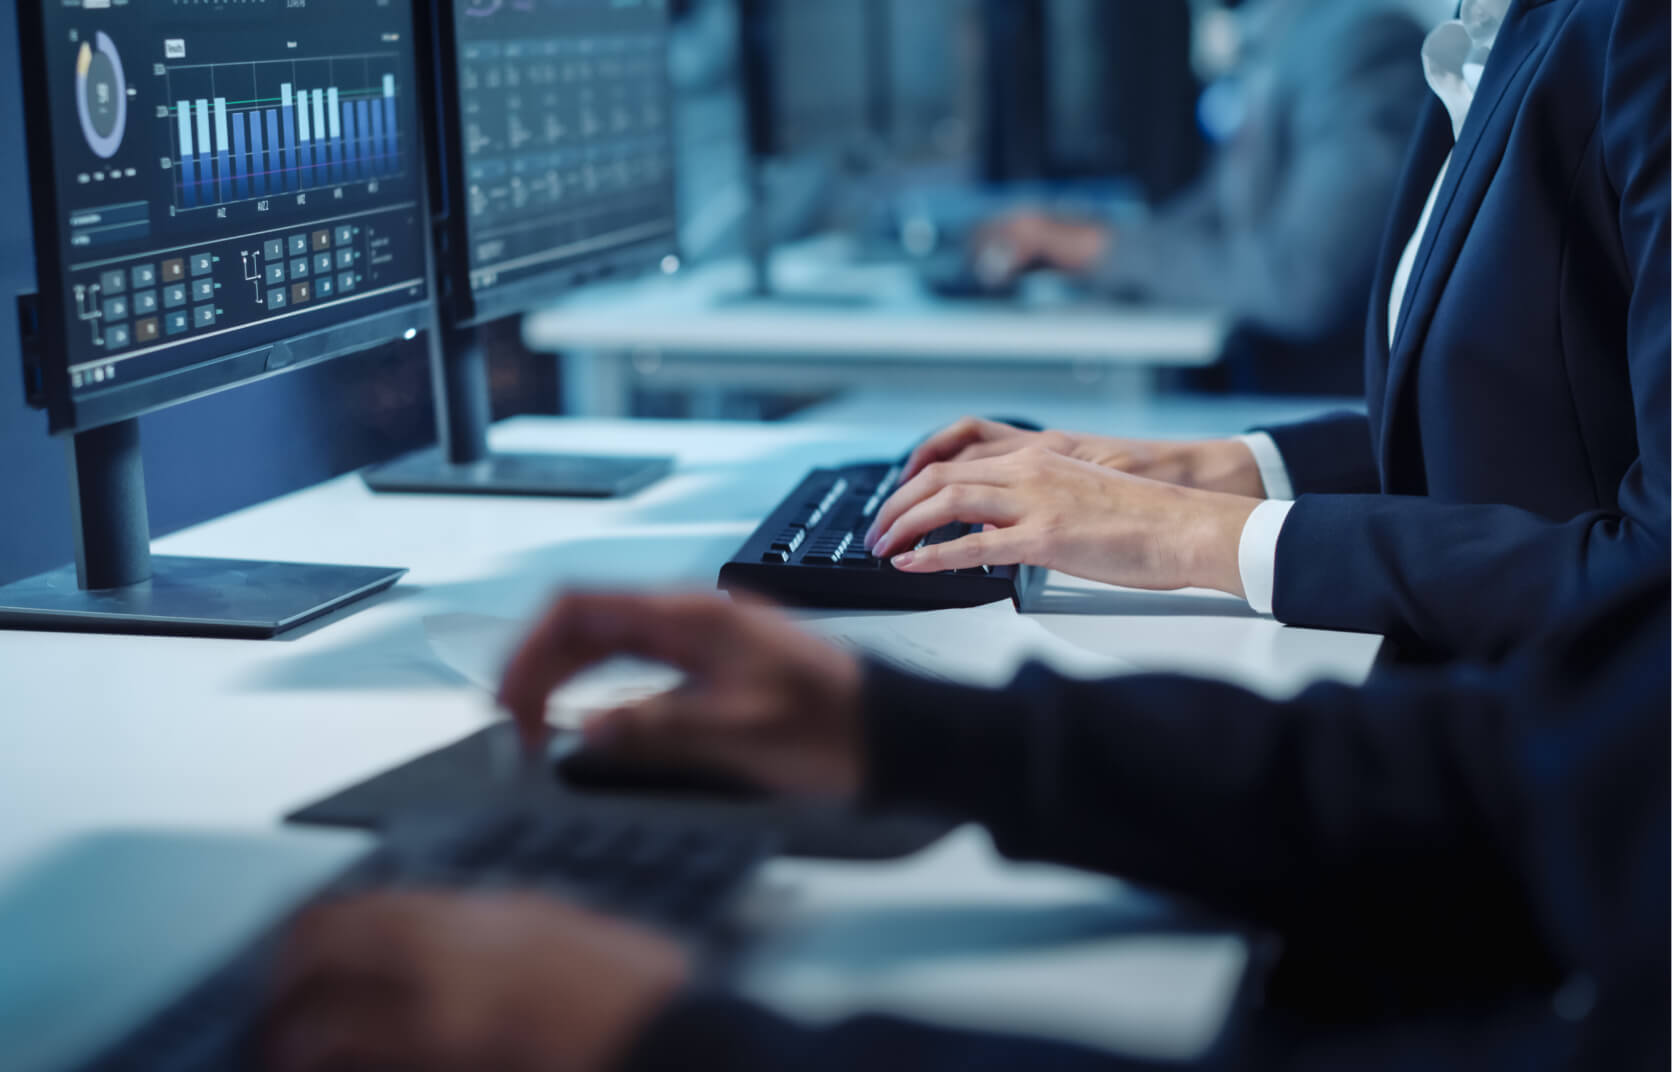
x=47 y=358
x=460 y=306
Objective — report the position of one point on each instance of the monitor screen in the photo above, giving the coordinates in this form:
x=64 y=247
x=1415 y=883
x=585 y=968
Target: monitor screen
x=232 y=187
x=560 y=154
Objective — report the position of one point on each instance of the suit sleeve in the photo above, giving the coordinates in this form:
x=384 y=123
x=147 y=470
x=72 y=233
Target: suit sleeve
x=1499 y=829
x=1476 y=580
x=1350 y=125
x=1416 y=822
x=1330 y=454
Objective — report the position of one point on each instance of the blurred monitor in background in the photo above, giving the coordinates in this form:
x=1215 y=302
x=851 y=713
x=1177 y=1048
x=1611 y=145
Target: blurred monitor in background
x=1309 y=108
x=1089 y=89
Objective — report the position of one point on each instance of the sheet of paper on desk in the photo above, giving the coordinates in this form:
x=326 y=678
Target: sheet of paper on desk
x=477 y=647
x=974 y=646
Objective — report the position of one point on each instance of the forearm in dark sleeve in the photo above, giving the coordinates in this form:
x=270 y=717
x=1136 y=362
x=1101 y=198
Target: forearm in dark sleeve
x=1462 y=580
x=1310 y=816
x=1329 y=454
x=723 y=1033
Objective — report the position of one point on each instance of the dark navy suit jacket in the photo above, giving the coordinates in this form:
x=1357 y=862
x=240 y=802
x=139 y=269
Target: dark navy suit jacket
x=1467 y=865
x=1514 y=461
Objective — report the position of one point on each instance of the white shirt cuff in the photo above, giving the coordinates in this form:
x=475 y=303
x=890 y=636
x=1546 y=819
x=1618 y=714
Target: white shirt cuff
x=1274 y=474
x=1257 y=552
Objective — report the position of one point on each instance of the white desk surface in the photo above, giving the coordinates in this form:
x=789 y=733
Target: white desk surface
x=104 y=731
x=698 y=312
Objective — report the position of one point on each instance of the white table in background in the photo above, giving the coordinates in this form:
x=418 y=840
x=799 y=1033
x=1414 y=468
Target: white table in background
x=696 y=330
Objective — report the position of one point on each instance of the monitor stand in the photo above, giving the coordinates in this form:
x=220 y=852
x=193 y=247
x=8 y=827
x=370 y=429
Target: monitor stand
x=463 y=464
x=118 y=586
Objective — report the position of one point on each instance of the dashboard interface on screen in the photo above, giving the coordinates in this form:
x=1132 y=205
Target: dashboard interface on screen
x=565 y=135
x=228 y=173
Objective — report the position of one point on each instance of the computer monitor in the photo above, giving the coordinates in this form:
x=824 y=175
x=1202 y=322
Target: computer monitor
x=814 y=77
x=555 y=167
x=222 y=191
x=1090 y=89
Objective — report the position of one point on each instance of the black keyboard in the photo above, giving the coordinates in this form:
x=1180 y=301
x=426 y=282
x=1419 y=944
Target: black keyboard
x=810 y=552
x=678 y=878
x=468 y=773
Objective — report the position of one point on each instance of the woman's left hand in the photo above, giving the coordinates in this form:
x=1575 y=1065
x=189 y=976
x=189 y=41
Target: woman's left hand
x=1043 y=509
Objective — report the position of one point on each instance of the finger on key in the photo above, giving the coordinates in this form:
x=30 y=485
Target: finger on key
x=991 y=547
x=972 y=504
x=931 y=480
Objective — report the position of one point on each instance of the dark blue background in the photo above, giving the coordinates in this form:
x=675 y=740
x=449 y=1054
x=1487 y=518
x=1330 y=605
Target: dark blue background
x=218 y=454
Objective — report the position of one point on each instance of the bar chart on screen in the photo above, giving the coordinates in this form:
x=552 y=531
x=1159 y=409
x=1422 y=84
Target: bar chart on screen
x=270 y=129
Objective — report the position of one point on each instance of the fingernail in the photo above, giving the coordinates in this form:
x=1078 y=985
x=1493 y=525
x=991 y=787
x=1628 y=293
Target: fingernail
x=871 y=538
x=902 y=561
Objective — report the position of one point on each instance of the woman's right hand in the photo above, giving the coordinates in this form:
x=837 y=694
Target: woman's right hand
x=1224 y=465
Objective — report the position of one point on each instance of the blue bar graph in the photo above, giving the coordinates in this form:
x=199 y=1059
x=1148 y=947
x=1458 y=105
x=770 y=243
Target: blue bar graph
x=351 y=163
x=236 y=149
x=333 y=112
x=304 y=138
x=258 y=160
x=188 y=163
x=368 y=155
x=322 y=143
x=240 y=156
x=378 y=152
x=288 y=107
x=274 y=167
x=205 y=151
x=223 y=150
x=391 y=154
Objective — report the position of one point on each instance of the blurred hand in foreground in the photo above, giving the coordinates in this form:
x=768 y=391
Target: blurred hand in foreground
x=448 y=983
x=762 y=700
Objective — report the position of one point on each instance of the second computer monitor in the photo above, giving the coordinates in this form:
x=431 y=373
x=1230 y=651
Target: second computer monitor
x=558 y=147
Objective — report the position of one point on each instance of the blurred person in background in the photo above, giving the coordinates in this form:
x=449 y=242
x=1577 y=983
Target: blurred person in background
x=1312 y=104
x=1514 y=457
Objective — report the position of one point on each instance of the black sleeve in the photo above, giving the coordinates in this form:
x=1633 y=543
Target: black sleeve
x=1419 y=828
x=1333 y=453
x=1387 y=824
x=711 y=1032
